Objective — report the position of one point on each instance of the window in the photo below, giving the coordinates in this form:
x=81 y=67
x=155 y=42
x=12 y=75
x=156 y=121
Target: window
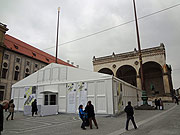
x=34 y=90
x=18 y=60
x=6 y=56
x=45 y=99
x=2 y=87
x=1 y=95
x=5 y=64
x=17 y=67
x=47 y=59
x=52 y=99
x=36 y=65
x=27 y=63
x=33 y=53
x=27 y=74
x=16 y=46
x=27 y=69
x=4 y=73
x=16 y=75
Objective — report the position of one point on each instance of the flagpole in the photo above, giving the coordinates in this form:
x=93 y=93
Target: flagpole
x=57 y=35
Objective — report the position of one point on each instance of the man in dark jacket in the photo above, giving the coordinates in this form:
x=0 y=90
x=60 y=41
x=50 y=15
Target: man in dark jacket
x=34 y=107
x=130 y=112
x=91 y=115
x=3 y=105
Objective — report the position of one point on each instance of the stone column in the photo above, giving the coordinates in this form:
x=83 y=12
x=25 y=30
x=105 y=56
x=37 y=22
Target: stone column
x=166 y=83
x=138 y=79
x=166 y=80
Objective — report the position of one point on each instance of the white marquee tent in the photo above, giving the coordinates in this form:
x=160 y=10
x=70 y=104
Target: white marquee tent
x=61 y=89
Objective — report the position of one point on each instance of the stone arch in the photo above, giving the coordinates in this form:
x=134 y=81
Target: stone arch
x=106 y=71
x=128 y=74
x=153 y=78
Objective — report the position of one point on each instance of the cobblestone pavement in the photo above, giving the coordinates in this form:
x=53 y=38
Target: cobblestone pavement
x=69 y=124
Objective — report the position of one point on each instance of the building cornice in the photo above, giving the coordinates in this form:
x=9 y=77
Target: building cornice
x=160 y=50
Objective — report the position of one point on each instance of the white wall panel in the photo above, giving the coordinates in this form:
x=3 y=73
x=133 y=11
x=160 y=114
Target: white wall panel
x=63 y=73
x=47 y=75
x=40 y=97
x=40 y=76
x=91 y=88
x=52 y=88
x=15 y=96
x=101 y=104
x=62 y=98
x=55 y=74
x=101 y=88
x=101 y=97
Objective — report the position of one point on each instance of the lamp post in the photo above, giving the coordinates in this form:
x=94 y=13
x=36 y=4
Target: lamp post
x=57 y=34
x=144 y=95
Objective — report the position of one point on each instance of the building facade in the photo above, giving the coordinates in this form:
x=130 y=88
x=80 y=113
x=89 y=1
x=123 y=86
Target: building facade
x=126 y=66
x=18 y=60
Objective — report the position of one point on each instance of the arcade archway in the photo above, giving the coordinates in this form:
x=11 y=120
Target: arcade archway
x=153 y=78
x=128 y=74
x=106 y=71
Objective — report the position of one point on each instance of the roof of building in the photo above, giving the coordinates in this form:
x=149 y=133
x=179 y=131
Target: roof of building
x=131 y=55
x=28 y=50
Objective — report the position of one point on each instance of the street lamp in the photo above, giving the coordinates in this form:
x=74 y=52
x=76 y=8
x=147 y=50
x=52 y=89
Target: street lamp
x=144 y=95
x=57 y=34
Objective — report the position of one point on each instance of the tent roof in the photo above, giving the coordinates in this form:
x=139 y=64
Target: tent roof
x=57 y=73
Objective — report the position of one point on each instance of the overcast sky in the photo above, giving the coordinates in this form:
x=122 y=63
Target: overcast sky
x=34 y=22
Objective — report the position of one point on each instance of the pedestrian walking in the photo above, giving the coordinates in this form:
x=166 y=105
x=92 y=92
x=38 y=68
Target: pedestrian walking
x=130 y=112
x=156 y=103
x=161 y=104
x=82 y=116
x=11 y=110
x=3 y=105
x=177 y=101
x=91 y=115
x=34 y=107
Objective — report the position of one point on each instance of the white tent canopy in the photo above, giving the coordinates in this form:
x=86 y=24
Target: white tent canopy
x=64 y=88
x=56 y=73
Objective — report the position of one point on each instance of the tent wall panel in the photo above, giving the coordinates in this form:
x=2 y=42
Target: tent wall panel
x=40 y=97
x=62 y=98
x=15 y=96
x=21 y=99
x=101 y=104
x=40 y=76
x=52 y=88
x=115 y=103
x=91 y=88
x=109 y=96
x=63 y=74
x=101 y=97
x=55 y=74
x=47 y=75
